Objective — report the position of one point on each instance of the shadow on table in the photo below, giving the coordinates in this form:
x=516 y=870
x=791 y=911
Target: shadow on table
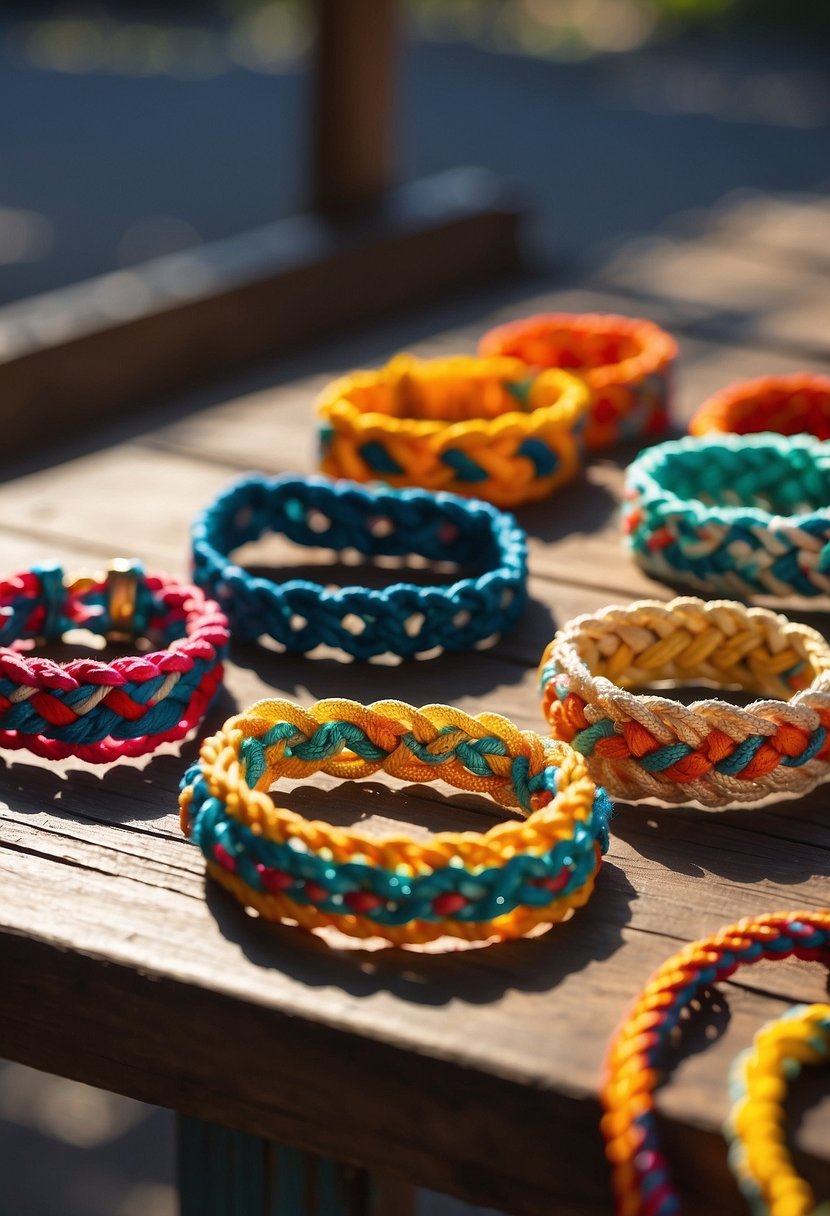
x=473 y=975
x=783 y=843
x=445 y=676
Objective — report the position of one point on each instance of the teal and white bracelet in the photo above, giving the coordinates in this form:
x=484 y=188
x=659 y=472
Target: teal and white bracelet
x=742 y=514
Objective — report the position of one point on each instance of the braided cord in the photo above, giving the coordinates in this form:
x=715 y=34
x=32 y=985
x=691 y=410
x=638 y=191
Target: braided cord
x=403 y=618
x=468 y=884
x=640 y=1173
x=655 y=749
x=758 y=1154
x=100 y=711
x=485 y=428
x=790 y=405
x=626 y=362
x=742 y=514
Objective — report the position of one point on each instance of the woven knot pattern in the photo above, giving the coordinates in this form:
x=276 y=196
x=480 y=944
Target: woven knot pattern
x=651 y=748
x=756 y=1126
x=403 y=619
x=641 y=1175
x=474 y=885
x=789 y=405
x=626 y=362
x=742 y=514
x=100 y=711
x=486 y=428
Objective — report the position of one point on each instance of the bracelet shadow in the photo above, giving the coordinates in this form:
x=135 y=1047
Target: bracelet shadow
x=785 y=843
x=436 y=974
x=475 y=975
x=443 y=676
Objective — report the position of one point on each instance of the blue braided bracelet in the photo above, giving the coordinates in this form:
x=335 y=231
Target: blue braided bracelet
x=745 y=514
x=402 y=619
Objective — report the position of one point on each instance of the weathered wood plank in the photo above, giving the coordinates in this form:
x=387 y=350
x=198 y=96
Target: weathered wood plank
x=794 y=229
x=740 y=297
x=78 y=354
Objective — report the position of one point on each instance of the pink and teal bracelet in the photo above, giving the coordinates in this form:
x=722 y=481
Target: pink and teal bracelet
x=97 y=711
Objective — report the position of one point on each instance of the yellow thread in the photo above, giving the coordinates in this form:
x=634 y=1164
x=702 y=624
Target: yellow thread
x=756 y=1122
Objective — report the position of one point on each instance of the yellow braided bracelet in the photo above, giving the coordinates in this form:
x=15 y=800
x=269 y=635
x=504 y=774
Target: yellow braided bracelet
x=499 y=883
x=650 y=748
x=758 y=1153
x=485 y=428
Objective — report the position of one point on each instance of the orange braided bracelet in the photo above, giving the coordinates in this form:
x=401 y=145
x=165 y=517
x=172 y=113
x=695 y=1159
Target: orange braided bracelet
x=790 y=405
x=484 y=428
x=652 y=749
x=626 y=362
x=640 y=1173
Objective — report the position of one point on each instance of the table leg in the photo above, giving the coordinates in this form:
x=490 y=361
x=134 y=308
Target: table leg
x=229 y=1173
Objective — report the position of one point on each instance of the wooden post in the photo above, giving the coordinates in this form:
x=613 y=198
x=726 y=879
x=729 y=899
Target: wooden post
x=355 y=66
x=229 y=1173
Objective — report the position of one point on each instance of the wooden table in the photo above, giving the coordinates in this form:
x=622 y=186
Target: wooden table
x=470 y=1072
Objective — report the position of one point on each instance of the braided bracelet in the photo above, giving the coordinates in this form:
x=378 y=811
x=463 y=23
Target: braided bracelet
x=499 y=883
x=402 y=619
x=626 y=362
x=480 y=427
x=741 y=514
x=790 y=405
x=755 y=1127
x=640 y=1173
x=649 y=748
x=102 y=711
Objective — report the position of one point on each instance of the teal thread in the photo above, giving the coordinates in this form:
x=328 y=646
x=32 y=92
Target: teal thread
x=377 y=457
x=463 y=465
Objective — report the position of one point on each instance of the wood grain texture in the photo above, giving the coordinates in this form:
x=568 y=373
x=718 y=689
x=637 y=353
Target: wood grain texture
x=470 y=1071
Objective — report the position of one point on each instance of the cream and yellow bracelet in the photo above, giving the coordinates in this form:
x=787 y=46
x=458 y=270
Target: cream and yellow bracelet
x=651 y=748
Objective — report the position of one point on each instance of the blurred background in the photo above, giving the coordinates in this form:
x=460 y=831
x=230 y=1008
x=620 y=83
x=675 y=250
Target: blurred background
x=132 y=130
x=135 y=129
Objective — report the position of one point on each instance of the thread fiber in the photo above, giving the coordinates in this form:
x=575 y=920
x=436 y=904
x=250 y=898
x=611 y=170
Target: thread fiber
x=99 y=711
x=756 y=1127
x=789 y=405
x=739 y=514
x=641 y=1174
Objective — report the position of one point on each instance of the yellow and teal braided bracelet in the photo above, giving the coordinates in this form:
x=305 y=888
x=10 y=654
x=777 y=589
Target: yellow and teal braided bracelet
x=499 y=883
